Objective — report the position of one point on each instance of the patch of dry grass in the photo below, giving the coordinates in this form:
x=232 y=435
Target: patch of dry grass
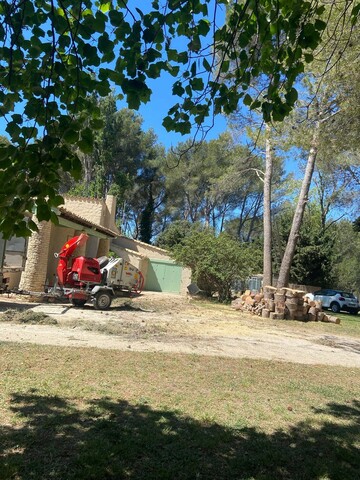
x=124 y=328
x=93 y=414
x=27 y=316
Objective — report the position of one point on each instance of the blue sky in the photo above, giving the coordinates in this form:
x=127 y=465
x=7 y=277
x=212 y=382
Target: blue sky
x=156 y=109
x=162 y=99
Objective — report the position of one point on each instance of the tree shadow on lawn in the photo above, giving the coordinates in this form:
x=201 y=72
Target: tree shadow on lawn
x=116 y=440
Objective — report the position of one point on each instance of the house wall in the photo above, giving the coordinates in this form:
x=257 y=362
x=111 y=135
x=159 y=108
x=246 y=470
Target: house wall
x=12 y=278
x=90 y=208
x=95 y=210
x=103 y=247
x=142 y=248
x=58 y=238
x=142 y=256
x=110 y=213
x=185 y=280
x=136 y=259
x=12 y=258
x=92 y=247
x=33 y=277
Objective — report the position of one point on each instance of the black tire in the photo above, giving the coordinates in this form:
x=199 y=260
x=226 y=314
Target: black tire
x=77 y=302
x=335 y=307
x=102 y=300
x=353 y=311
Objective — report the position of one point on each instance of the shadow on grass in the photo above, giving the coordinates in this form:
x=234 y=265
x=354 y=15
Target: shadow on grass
x=21 y=307
x=116 y=440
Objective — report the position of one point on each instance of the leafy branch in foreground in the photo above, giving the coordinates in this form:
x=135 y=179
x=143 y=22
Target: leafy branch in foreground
x=57 y=56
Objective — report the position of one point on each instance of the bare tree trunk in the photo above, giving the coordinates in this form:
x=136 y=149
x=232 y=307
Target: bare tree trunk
x=254 y=209
x=88 y=167
x=284 y=274
x=207 y=214
x=267 y=268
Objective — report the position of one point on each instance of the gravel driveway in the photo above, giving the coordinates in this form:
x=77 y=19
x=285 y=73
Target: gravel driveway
x=176 y=324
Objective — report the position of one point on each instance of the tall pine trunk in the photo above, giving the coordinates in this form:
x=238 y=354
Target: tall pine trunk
x=267 y=268
x=284 y=273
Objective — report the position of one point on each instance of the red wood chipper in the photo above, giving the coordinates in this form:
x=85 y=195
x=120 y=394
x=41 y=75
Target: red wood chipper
x=98 y=279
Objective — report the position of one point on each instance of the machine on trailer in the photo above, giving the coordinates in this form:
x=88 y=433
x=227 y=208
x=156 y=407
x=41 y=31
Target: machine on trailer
x=98 y=279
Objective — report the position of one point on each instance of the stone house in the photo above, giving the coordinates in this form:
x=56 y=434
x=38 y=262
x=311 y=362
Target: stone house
x=161 y=273
x=96 y=217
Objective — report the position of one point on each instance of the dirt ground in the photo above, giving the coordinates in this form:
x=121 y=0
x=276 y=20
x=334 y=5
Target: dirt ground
x=172 y=323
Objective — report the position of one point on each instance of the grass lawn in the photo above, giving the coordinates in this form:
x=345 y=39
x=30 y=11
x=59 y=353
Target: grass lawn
x=81 y=414
x=350 y=323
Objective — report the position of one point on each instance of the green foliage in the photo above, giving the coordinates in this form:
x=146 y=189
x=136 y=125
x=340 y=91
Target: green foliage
x=125 y=163
x=205 y=181
x=314 y=257
x=217 y=261
x=176 y=233
x=347 y=255
x=56 y=56
x=147 y=218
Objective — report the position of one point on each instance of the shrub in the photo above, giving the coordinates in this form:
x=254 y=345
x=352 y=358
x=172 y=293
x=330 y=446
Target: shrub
x=217 y=261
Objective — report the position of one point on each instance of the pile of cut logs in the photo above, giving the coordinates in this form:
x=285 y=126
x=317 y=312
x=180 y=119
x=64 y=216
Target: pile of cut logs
x=282 y=303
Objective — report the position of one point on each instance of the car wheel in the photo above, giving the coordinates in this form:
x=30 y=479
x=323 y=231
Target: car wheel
x=353 y=311
x=335 y=307
x=102 y=300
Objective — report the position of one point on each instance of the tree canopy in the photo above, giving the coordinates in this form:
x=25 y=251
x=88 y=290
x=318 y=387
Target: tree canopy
x=217 y=262
x=56 y=56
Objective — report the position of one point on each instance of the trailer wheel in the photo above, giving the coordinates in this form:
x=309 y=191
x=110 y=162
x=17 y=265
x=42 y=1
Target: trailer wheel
x=102 y=300
x=78 y=302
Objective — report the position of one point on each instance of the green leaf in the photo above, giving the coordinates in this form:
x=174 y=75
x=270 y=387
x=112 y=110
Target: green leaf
x=203 y=27
x=168 y=123
x=172 y=54
x=178 y=89
x=320 y=24
x=85 y=146
x=206 y=65
x=96 y=123
x=355 y=13
x=195 y=44
x=32 y=225
x=183 y=57
x=291 y=96
x=255 y=105
x=105 y=7
x=104 y=44
x=225 y=64
x=320 y=10
x=197 y=84
x=243 y=40
x=43 y=212
x=54 y=218
x=247 y=100
x=116 y=18
x=71 y=136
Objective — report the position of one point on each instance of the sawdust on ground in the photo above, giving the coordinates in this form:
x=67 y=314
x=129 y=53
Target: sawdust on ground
x=177 y=324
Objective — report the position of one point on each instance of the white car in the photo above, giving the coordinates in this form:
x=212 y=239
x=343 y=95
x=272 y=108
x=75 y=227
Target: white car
x=338 y=300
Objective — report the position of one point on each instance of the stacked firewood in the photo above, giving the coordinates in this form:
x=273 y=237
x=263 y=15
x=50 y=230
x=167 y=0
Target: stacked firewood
x=282 y=303
x=249 y=302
